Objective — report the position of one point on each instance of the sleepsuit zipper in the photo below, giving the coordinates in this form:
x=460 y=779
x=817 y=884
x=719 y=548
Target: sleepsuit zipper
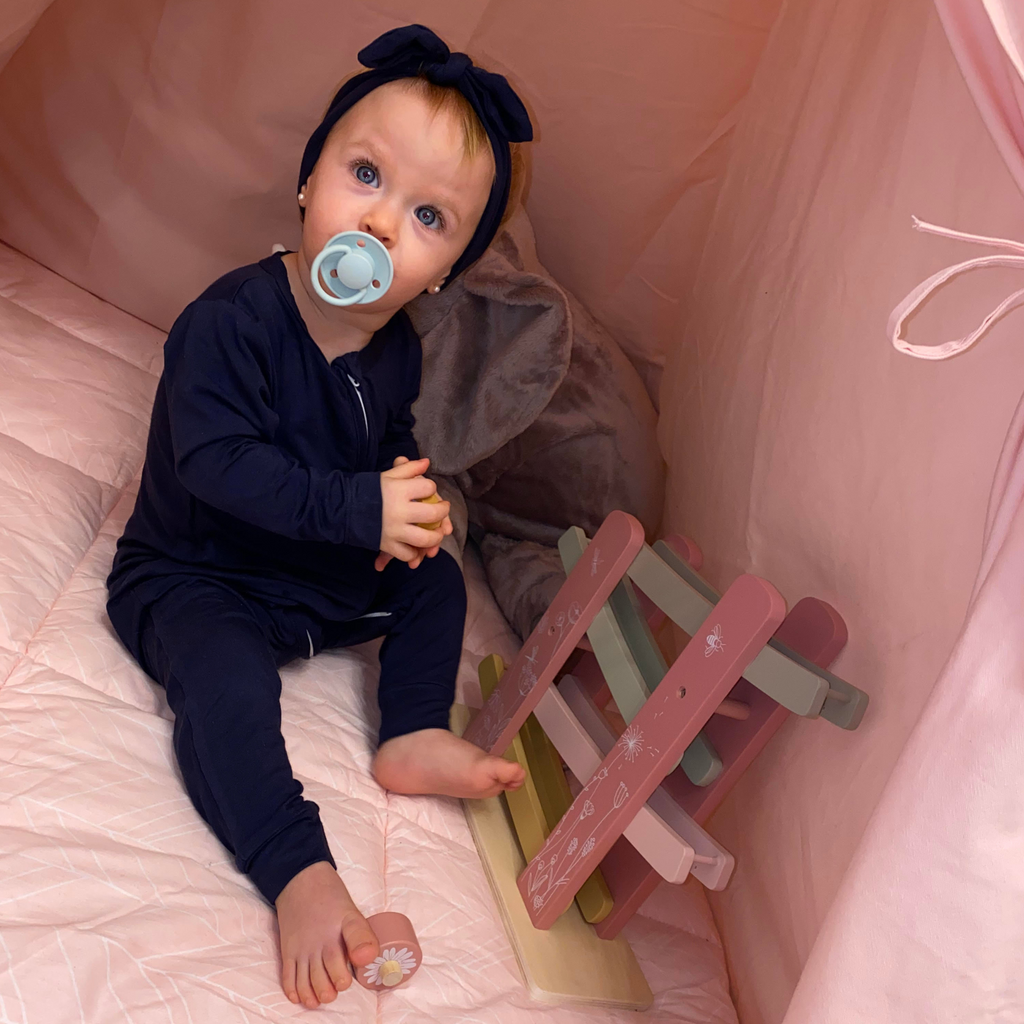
x=366 y=425
x=362 y=405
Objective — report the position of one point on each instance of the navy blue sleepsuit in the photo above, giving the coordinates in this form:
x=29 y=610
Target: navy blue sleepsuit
x=252 y=542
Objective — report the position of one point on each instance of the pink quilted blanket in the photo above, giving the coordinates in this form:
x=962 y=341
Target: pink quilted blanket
x=116 y=902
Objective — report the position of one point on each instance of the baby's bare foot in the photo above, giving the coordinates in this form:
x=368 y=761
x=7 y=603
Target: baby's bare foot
x=318 y=922
x=439 y=762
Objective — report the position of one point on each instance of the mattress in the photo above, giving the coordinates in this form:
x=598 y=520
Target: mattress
x=116 y=901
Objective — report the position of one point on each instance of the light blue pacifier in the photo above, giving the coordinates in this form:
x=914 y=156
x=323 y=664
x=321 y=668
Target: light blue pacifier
x=355 y=267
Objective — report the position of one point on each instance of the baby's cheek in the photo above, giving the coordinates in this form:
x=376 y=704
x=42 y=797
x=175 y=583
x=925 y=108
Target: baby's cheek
x=332 y=209
x=412 y=271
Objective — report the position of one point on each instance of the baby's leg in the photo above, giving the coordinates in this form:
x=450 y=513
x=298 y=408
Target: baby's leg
x=419 y=662
x=204 y=644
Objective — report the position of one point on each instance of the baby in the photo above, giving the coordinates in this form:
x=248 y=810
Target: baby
x=282 y=490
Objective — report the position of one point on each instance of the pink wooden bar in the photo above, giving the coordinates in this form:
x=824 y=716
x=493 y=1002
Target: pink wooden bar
x=703 y=674
x=630 y=882
x=813 y=629
x=559 y=631
x=586 y=670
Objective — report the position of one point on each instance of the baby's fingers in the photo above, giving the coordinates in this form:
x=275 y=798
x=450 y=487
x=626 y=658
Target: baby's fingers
x=407 y=470
x=431 y=511
x=421 y=537
x=404 y=552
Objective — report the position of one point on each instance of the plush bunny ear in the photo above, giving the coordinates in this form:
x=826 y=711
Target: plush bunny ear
x=496 y=347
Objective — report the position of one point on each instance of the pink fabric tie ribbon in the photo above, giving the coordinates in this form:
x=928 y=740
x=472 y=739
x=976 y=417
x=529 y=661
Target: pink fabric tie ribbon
x=952 y=348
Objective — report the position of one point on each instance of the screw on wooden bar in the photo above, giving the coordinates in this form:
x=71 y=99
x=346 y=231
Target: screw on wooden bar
x=390 y=973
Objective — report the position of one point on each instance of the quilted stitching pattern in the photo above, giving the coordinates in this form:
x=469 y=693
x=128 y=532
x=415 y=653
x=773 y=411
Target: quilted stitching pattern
x=116 y=902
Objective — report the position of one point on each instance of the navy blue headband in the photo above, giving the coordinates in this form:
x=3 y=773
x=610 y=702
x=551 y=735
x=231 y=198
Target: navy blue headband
x=413 y=50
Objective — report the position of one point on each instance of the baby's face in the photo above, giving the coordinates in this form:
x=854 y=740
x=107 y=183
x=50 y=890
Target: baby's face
x=397 y=171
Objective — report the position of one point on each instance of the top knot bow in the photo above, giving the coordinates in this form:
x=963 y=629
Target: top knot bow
x=414 y=50
x=450 y=71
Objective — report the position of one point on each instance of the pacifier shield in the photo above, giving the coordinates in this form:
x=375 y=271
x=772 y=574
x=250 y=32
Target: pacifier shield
x=355 y=268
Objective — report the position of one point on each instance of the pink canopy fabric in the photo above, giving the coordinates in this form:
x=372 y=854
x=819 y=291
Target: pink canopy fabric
x=730 y=188
x=986 y=37
x=158 y=133
x=927 y=923
x=17 y=17
x=801 y=446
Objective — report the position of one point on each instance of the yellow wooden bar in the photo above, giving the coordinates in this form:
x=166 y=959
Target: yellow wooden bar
x=538 y=805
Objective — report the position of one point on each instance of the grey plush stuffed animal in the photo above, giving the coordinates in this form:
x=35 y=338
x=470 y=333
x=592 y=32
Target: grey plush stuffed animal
x=533 y=418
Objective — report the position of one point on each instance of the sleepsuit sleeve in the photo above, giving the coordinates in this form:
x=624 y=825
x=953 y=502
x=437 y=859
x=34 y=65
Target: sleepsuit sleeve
x=218 y=375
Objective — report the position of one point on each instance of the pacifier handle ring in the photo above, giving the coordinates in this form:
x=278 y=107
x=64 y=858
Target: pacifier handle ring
x=334 y=300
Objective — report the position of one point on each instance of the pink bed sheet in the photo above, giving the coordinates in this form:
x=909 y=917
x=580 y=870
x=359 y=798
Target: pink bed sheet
x=116 y=902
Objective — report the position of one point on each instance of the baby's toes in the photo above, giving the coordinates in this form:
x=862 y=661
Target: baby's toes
x=361 y=943
x=320 y=983
x=302 y=985
x=288 y=979
x=337 y=969
x=508 y=773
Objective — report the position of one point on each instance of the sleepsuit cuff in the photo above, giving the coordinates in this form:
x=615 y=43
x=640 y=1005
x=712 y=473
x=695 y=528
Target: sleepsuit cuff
x=289 y=851
x=421 y=705
x=363 y=511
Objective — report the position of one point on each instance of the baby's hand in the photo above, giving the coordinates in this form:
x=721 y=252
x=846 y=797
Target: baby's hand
x=403 y=489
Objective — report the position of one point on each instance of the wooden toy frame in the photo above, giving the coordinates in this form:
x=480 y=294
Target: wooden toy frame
x=687 y=731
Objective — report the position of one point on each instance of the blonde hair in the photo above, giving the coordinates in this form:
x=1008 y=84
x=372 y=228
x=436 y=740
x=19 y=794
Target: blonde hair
x=448 y=100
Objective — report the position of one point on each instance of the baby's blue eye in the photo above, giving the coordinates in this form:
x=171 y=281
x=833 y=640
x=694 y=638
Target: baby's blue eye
x=366 y=174
x=427 y=216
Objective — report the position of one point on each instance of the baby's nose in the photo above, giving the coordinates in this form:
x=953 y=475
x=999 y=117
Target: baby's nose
x=382 y=226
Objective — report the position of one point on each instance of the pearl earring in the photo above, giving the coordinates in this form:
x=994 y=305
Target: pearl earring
x=302 y=195
x=436 y=288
